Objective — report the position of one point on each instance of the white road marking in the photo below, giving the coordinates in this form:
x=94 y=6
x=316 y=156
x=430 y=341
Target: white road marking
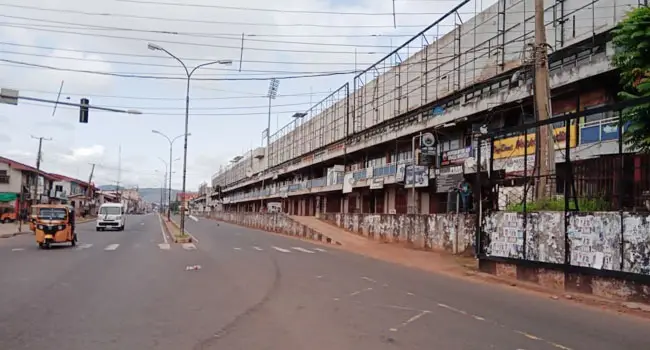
x=111 y=247
x=162 y=230
x=368 y=279
x=321 y=250
x=189 y=246
x=164 y=246
x=83 y=246
x=142 y=224
x=410 y=320
x=258 y=248
x=17 y=249
x=236 y=248
x=360 y=291
x=281 y=249
x=302 y=250
x=194 y=218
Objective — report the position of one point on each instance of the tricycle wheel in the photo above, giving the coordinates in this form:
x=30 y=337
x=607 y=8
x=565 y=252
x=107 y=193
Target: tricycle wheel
x=74 y=241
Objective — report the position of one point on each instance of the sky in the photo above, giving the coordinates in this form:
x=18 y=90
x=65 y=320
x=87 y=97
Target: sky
x=84 y=43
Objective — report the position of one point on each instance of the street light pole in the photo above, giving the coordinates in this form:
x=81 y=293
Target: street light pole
x=189 y=74
x=169 y=189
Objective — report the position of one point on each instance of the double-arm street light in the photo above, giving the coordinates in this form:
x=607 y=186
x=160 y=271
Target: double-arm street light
x=189 y=74
x=171 y=144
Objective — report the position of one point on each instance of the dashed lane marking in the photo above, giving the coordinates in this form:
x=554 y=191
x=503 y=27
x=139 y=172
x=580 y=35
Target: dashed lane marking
x=111 y=247
x=164 y=246
x=281 y=249
x=302 y=250
x=236 y=248
x=18 y=249
x=83 y=246
x=189 y=246
x=258 y=248
x=320 y=250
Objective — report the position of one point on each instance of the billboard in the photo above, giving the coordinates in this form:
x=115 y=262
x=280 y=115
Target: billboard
x=516 y=146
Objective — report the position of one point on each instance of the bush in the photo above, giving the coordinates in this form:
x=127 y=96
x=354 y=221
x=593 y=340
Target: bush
x=584 y=205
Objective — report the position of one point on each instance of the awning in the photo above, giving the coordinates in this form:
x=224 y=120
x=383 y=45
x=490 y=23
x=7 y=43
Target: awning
x=8 y=197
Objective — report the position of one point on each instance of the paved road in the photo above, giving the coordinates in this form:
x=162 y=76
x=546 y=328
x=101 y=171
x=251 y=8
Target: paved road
x=128 y=290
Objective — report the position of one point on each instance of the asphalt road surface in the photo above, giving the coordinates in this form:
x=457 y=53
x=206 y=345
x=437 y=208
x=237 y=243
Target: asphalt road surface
x=255 y=290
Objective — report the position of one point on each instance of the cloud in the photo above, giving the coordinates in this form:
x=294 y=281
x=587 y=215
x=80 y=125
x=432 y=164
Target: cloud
x=227 y=117
x=4 y=138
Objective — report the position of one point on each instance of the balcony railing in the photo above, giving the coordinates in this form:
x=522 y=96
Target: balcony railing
x=601 y=130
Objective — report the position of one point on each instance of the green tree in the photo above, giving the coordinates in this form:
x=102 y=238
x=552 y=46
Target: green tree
x=174 y=206
x=632 y=58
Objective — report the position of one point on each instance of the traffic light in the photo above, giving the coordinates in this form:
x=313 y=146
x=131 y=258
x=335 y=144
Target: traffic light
x=83 y=111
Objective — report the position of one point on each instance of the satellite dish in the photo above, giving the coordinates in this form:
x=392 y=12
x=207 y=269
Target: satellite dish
x=249 y=172
x=428 y=140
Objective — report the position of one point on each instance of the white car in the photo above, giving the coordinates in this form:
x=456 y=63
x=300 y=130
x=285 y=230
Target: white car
x=111 y=216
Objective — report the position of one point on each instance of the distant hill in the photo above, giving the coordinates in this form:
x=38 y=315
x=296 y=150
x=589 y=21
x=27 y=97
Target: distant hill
x=151 y=195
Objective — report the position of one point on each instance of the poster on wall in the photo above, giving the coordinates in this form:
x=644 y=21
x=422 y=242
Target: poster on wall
x=401 y=170
x=348 y=182
x=456 y=156
x=416 y=176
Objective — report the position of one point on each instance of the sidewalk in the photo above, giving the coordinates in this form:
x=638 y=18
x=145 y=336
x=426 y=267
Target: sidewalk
x=393 y=252
x=12 y=229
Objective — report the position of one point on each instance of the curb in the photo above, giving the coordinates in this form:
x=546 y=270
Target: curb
x=9 y=235
x=190 y=239
x=314 y=235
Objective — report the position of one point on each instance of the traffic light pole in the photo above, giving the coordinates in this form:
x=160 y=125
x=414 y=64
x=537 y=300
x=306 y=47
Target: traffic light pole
x=81 y=105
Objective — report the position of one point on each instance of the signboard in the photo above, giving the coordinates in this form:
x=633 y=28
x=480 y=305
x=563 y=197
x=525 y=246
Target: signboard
x=416 y=176
x=348 y=182
x=456 y=156
x=448 y=182
x=376 y=184
x=400 y=174
x=9 y=96
x=428 y=144
x=516 y=146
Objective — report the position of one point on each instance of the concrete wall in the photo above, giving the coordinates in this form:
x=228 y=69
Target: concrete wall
x=450 y=232
x=273 y=222
x=595 y=241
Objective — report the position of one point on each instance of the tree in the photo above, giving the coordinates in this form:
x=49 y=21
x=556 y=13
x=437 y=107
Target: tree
x=632 y=58
x=175 y=205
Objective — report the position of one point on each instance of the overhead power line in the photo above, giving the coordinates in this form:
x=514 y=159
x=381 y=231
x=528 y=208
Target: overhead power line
x=186 y=43
x=188 y=20
x=162 y=77
x=252 y=9
x=77 y=26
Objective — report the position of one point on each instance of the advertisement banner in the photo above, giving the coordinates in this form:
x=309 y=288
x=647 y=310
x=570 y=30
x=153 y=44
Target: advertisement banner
x=516 y=146
x=456 y=156
x=348 y=182
x=416 y=176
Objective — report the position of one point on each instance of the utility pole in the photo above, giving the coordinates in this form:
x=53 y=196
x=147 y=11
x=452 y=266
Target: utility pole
x=38 y=166
x=544 y=138
x=90 y=189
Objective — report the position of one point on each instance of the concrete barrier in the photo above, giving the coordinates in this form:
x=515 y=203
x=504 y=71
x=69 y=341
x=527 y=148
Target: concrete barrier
x=273 y=222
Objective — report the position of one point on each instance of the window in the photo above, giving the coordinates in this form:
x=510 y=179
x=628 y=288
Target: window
x=58 y=188
x=52 y=213
x=4 y=178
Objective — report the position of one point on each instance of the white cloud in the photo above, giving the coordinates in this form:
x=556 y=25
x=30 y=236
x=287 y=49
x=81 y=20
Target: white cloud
x=215 y=139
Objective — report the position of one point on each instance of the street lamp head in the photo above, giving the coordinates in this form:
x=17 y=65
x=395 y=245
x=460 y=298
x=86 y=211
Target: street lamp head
x=154 y=47
x=133 y=111
x=156 y=132
x=225 y=62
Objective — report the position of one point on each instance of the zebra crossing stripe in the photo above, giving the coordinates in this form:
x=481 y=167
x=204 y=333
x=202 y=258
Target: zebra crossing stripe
x=111 y=247
x=281 y=249
x=302 y=250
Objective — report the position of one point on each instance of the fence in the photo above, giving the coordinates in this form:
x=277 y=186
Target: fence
x=589 y=210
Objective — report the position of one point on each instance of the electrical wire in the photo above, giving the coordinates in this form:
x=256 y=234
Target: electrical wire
x=77 y=26
x=185 y=43
x=252 y=9
x=188 y=20
x=158 y=77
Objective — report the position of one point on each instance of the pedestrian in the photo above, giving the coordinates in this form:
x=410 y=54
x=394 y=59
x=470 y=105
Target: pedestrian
x=465 y=192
